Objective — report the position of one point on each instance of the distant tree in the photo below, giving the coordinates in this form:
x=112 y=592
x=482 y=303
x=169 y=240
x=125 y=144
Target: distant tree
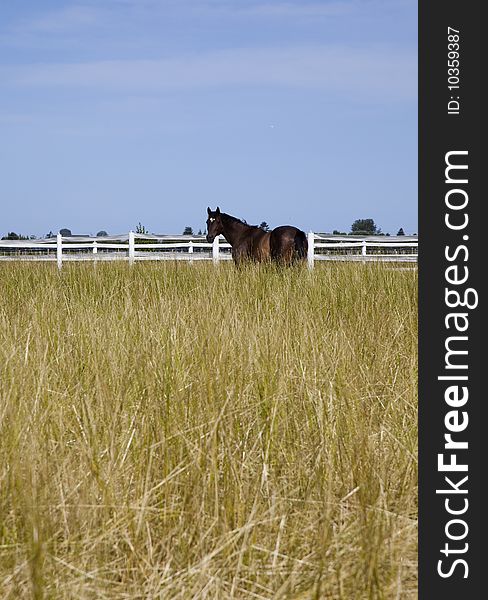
x=200 y=232
x=102 y=233
x=365 y=227
x=11 y=235
x=264 y=226
x=65 y=232
x=141 y=229
x=336 y=232
x=400 y=231
x=188 y=230
x=50 y=235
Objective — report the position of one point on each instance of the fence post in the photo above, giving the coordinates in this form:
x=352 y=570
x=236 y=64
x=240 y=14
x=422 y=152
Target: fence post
x=215 y=250
x=59 y=250
x=132 y=248
x=190 y=250
x=311 y=249
x=95 y=249
x=364 y=249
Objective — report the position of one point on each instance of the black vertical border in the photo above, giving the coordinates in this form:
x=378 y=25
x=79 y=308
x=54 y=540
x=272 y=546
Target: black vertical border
x=440 y=133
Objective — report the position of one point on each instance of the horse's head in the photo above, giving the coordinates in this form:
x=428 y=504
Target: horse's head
x=214 y=224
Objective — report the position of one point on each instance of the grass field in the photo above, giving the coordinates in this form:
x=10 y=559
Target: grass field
x=179 y=431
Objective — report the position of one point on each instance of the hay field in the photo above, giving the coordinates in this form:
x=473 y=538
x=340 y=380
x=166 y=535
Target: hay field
x=191 y=431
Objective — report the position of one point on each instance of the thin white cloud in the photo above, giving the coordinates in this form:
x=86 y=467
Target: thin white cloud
x=267 y=9
x=82 y=15
x=16 y=118
x=382 y=72
x=289 y=9
x=65 y=20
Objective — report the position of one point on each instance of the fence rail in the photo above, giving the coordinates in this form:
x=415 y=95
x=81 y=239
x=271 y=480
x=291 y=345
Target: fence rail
x=135 y=247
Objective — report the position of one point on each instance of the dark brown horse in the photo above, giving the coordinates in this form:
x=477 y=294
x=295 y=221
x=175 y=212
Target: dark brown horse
x=284 y=245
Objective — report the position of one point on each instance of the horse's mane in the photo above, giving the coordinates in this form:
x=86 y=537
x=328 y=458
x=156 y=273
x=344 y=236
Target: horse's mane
x=227 y=217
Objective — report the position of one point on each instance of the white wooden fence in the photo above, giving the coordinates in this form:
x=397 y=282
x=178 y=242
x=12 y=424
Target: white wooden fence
x=138 y=247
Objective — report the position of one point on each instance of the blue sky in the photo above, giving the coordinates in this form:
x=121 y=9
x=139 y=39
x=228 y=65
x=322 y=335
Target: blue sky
x=119 y=111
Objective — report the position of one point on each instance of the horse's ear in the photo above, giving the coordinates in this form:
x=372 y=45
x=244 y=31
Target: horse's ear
x=208 y=210
x=218 y=210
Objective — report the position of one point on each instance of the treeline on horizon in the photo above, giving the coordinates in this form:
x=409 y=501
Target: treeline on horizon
x=358 y=227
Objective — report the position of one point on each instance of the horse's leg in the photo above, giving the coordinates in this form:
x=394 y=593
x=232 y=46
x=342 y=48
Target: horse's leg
x=288 y=253
x=239 y=255
x=265 y=248
x=279 y=245
x=300 y=247
x=274 y=247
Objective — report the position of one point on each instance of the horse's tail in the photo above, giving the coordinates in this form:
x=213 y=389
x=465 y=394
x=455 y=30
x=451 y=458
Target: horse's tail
x=301 y=245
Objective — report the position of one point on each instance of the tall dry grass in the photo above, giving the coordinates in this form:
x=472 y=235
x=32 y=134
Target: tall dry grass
x=178 y=431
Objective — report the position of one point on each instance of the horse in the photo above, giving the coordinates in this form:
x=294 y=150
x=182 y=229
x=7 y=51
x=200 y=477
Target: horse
x=284 y=245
